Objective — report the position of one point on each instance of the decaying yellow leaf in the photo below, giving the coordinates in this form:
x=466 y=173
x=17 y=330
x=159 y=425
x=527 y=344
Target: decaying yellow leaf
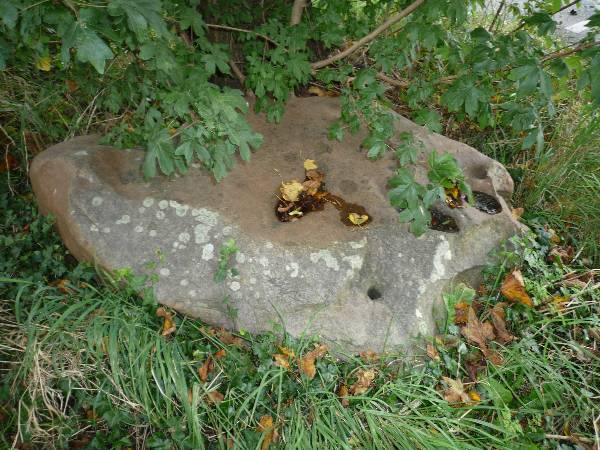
x=44 y=64
x=455 y=392
x=358 y=219
x=513 y=288
x=306 y=364
x=291 y=190
x=281 y=360
x=310 y=164
x=474 y=396
x=461 y=313
x=265 y=426
x=363 y=383
x=227 y=338
x=168 y=323
x=320 y=92
x=343 y=395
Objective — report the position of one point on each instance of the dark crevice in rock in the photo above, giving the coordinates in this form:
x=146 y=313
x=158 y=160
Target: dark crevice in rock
x=486 y=203
x=373 y=293
x=442 y=222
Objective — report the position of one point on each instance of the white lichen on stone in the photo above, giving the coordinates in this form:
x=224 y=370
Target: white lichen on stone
x=138 y=229
x=184 y=237
x=106 y=230
x=294 y=267
x=148 y=202
x=240 y=258
x=325 y=256
x=264 y=261
x=205 y=216
x=418 y=313
x=163 y=204
x=358 y=244
x=141 y=210
x=227 y=231
x=355 y=261
x=81 y=153
x=208 y=252
x=97 y=201
x=234 y=286
x=269 y=244
x=152 y=233
x=252 y=280
x=442 y=253
x=201 y=233
x=165 y=272
x=160 y=215
x=184 y=282
x=192 y=293
x=125 y=219
x=94 y=228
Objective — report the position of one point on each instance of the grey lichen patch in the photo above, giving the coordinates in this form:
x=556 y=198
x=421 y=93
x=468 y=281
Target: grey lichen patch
x=325 y=255
x=208 y=252
x=201 y=233
x=160 y=215
x=152 y=233
x=138 y=229
x=240 y=258
x=234 y=286
x=125 y=219
x=442 y=253
x=165 y=272
x=97 y=201
x=148 y=202
x=184 y=282
x=355 y=261
x=359 y=244
x=184 y=237
x=163 y=204
x=106 y=230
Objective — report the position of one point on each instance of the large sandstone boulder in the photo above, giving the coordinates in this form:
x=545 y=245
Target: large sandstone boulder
x=372 y=287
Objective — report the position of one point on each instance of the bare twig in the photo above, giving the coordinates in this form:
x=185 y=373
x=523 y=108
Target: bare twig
x=242 y=30
x=369 y=37
x=498 y=11
x=297 y=9
x=565 y=52
x=402 y=83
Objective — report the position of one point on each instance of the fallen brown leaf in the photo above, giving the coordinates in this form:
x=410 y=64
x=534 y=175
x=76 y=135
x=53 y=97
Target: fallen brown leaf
x=343 y=395
x=432 y=352
x=281 y=360
x=205 y=369
x=517 y=213
x=461 y=313
x=306 y=364
x=480 y=333
x=220 y=354
x=265 y=426
x=215 y=397
x=363 y=383
x=563 y=254
x=227 y=338
x=168 y=323
x=455 y=392
x=513 y=288
x=369 y=355
x=72 y=86
x=499 y=320
x=8 y=162
x=320 y=92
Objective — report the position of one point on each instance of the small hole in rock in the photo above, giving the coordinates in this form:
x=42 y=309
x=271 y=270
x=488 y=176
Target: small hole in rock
x=373 y=293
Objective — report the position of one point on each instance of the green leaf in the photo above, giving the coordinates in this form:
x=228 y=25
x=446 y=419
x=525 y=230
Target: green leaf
x=464 y=92
x=90 y=47
x=429 y=118
x=9 y=14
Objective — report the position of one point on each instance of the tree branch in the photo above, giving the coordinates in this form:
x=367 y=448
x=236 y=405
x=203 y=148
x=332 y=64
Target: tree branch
x=243 y=30
x=565 y=52
x=498 y=11
x=297 y=9
x=369 y=37
x=568 y=5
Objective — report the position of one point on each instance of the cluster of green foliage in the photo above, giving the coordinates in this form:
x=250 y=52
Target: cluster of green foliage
x=84 y=365
x=159 y=71
x=414 y=199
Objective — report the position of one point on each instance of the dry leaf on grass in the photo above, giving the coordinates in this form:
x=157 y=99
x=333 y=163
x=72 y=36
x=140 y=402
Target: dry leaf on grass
x=461 y=313
x=369 y=355
x=8 y=162
x=480 y=333
x=320 y=92
x=291 y=190
x=215 y=397
x=432 y=352
x=513 y=288
x=265 y=426
x=306 y=364
x=205 y=369
x=168 y=323
x=343 y=393
x=227 y=338
x=455 y=392
x=499 y=321
x=220 y=354
x=281 y=360
x=564 y=254
x=363 y=383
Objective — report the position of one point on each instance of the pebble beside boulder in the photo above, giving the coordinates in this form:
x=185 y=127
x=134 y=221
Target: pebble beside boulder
x=358 y=288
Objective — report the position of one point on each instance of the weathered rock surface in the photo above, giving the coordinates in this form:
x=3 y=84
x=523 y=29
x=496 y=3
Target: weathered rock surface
x=360 y=288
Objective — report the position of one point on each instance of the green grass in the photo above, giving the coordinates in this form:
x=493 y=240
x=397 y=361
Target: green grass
x=88 y=368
